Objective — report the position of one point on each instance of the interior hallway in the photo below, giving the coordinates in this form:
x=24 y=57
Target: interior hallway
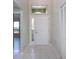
x=55 y=46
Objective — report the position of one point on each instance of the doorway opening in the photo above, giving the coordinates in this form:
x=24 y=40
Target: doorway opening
x=16 y=33
x=39 y=28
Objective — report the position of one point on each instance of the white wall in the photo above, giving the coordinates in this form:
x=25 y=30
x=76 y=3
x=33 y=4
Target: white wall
x=57 y=39
x=23 y=4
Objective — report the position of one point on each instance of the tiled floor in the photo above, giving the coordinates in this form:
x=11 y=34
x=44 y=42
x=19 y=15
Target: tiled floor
x=37 y=52
x=16 y=45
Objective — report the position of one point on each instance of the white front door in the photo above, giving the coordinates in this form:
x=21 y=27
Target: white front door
x=40 y=34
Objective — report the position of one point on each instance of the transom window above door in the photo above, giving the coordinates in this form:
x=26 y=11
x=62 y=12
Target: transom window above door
x=39 y=9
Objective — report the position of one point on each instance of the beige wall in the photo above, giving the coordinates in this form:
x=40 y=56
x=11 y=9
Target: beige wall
x=23 y=4
x=57 y=38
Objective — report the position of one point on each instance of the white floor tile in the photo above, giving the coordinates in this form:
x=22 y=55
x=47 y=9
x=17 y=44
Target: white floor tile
x=37 y=52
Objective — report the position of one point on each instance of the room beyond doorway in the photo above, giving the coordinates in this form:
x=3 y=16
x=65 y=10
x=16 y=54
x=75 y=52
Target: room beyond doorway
x=16 y=33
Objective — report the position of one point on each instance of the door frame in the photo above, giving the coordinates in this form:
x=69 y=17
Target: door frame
x=30 y=31
x=62 y=17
